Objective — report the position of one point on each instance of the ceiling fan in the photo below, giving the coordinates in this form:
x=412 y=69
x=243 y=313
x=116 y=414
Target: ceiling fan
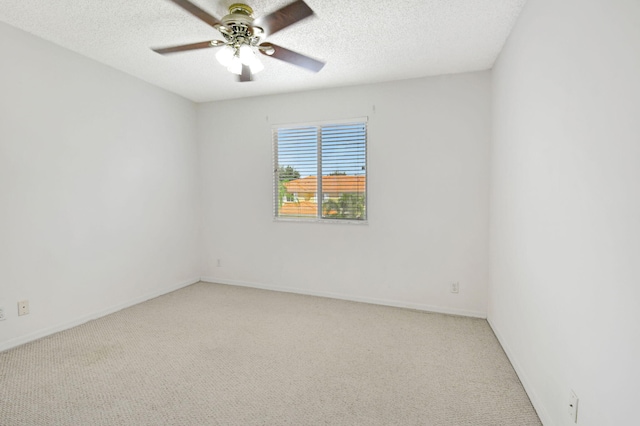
x=243 y=37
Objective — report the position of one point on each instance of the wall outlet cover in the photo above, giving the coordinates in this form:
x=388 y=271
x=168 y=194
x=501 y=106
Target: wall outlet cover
x=23 y=307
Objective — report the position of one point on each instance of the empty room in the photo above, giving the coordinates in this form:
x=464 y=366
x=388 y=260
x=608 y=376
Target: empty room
x=287 y=212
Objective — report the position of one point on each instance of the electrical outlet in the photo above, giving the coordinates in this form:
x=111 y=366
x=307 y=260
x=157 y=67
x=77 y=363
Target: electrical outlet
x=455 y=287
x=2 y=315
x=573 y=407
x=23 y=307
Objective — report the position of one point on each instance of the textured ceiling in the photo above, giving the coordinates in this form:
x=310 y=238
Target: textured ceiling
x=362 y=41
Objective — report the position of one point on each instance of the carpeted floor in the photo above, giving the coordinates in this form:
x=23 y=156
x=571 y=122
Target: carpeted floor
x=212 y=354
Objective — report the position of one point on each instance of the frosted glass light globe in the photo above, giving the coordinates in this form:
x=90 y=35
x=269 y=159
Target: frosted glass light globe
x=235 y=66
x=256 y=66
x=246 y=54
x=225 y=55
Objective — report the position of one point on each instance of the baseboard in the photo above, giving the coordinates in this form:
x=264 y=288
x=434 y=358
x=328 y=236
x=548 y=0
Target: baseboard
x=371 y=300
x=115 y=308
x=526 y=383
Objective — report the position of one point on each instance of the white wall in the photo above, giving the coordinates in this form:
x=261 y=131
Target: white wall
x=565 y=207
x=99 y=192
x=428 y=196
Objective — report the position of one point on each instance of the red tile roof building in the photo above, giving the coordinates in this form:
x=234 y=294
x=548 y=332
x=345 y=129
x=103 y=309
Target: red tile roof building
x=333 y=184
x=304 y=192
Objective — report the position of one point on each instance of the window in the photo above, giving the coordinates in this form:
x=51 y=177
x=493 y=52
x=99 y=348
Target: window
x=337 y=153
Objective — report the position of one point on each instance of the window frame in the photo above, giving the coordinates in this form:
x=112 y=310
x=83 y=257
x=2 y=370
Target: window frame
x=275 y=181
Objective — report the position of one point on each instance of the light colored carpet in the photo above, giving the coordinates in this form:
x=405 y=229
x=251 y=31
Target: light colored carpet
x=212 y=354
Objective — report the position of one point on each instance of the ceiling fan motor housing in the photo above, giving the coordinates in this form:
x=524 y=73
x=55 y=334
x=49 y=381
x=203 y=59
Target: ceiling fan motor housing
x=237 y=28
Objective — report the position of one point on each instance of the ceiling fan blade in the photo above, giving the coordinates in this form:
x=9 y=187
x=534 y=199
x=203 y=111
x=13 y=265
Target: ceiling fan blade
x=184 y=47
x=197 y=12
x=290 y=56
x=284 y=17
x=246 y=73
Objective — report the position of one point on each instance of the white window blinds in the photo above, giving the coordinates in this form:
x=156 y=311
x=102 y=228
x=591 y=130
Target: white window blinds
x=337 y=153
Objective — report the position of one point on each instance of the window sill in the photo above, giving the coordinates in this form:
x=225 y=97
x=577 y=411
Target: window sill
x=316 y=220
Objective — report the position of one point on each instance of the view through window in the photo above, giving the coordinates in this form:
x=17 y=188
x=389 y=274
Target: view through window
x=337 y=153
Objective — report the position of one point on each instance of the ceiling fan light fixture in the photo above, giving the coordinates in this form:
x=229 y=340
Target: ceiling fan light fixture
x=256 y=66
x=246 y=54
x=225 y=55
x=235 y=67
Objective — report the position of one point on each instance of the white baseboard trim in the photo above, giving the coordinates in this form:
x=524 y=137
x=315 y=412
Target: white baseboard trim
x=526 y=383
x=115 y=308
x=371 y=300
